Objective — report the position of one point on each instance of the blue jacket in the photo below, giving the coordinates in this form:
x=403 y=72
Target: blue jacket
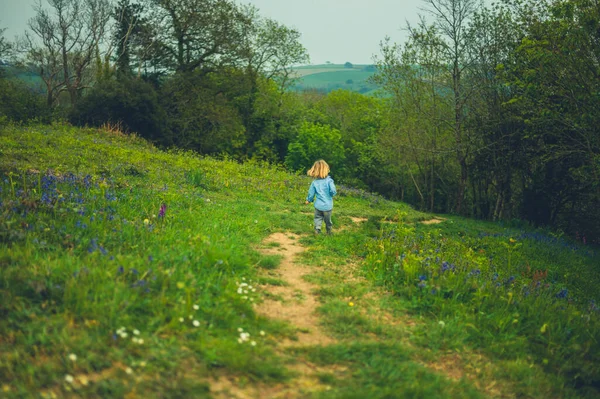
x=324 y=190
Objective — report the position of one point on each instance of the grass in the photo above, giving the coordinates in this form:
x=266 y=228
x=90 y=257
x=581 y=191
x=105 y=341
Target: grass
x=331 y=77
x=126 y=271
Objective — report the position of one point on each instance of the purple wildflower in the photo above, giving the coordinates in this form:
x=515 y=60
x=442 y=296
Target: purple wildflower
x=162 y=211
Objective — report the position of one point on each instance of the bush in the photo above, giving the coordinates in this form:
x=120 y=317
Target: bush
x=20 y=103
x=131 y=103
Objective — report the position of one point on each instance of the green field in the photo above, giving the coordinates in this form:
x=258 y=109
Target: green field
x=329 y=77
x=130 y=272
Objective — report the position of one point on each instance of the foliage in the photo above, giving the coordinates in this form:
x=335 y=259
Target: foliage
x=128 y=102
x=316 y=142
x=20 y=103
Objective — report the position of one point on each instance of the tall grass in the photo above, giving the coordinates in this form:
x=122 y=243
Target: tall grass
x=514 y=295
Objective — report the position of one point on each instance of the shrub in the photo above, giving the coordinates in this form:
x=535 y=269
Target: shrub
x=132 y=103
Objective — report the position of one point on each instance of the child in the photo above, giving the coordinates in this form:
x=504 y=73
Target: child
x=323 y=189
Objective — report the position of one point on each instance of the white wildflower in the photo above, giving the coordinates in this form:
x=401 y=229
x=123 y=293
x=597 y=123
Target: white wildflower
x=73 y=357
x=136 y=332
x=69 y=378
x=262 y=333
x=196 y=323
x=196 y=307
x=253 y=343
x=181 y=319
x=129 y=370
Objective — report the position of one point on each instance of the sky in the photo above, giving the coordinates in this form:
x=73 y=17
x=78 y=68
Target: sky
x=337 y=31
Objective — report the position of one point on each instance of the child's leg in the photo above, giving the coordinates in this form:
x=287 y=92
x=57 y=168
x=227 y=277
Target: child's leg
x=327 y=217
x=318 y=220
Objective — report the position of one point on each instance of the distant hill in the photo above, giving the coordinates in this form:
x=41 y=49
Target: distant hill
x=29 y=77
x=323 y=78
x=329 y=77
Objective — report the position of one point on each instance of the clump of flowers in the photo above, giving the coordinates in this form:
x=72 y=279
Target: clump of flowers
x=246 y=290
x=244 y=336
x=122 y=332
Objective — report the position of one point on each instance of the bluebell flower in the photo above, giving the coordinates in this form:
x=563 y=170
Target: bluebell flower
x=562 y=294
x=134 y=272
x=422 y=277
x=447 y=266
x=121 y=269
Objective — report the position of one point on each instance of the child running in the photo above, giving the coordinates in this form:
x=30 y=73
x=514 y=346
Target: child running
x=323 y=189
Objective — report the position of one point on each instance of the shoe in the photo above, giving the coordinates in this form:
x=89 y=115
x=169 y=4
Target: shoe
x=317 y=232
x=329 y=233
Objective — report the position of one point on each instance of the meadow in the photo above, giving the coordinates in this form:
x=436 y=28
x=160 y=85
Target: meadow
x=121 y=267
x=329 y=77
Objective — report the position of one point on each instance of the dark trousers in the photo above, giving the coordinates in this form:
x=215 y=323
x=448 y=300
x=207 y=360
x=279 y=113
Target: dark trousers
x=319 y=217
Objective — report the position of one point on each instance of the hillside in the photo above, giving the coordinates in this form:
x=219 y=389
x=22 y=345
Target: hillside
x=328 y=77
x=126 y=271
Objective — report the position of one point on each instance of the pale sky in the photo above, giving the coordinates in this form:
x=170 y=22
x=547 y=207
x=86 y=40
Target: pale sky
x=332 y=30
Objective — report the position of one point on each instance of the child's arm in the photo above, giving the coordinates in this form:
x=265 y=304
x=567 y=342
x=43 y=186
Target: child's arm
x=311 y=193
x=332 y=189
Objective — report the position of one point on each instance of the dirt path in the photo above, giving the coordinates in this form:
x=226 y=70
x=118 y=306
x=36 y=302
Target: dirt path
x=299 y=304
x=296 y=304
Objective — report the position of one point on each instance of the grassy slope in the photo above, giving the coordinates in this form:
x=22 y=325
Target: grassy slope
x=84 y=253
x=332 y=76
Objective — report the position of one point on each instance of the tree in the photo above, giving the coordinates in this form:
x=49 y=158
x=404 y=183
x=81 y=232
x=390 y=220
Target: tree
x=5 y=46
x=63 y=45
x=500 y=159
x=132 y=36
x=315 y=142
x=271 y=49
x=451 y=19
x=200 y=35
x=348 y=65
x=554 y=72
x=417 y=140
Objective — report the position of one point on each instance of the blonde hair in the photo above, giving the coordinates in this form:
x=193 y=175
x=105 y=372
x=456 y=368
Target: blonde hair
x=319 y=170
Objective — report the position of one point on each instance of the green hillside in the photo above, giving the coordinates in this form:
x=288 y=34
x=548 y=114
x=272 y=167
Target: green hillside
x=329 y=77
x=127 y=271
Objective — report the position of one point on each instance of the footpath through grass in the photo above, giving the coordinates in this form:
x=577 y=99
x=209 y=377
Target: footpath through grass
x=121 y=266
